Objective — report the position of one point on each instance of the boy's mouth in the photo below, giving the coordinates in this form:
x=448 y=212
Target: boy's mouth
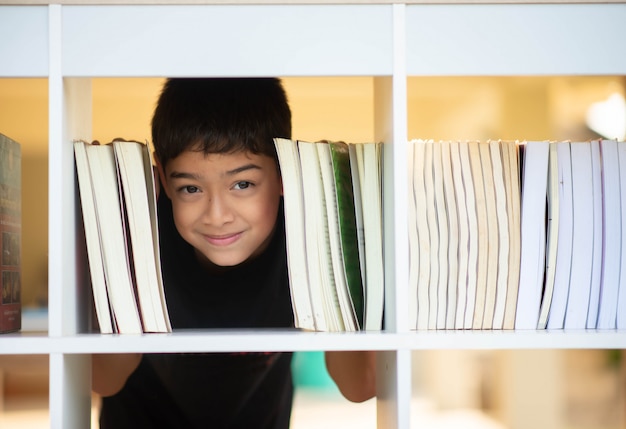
x=222 y=240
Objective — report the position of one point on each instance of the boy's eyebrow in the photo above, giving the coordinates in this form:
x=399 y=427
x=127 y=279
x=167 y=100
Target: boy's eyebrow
x=183 y=175
x=243 y=168
x=234 y=171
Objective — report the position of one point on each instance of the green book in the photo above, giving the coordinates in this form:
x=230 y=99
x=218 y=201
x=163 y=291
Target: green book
x=347 y=226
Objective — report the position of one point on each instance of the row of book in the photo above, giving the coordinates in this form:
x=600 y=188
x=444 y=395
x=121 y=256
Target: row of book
x=502 y=235
x=517 y=235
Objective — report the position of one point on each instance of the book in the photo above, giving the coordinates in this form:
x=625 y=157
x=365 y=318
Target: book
x=552 y=237
x=560 y=291
x=621 y=298
x=596 y=265
x=369 y=163
x=136 y=176
x=611 y=235
x=577 y=306
x=476 y=303
x=493 y=235
x=462 y=180
x=452 y=226
x=414 y=250
x=419 y=241
x=301 y=300
x=349 y=258
x=500 y=163
x=334 y=162
x=534 y=184
x=328 y=228
x=473 y=236
x=118 y=201
x=440 y=291
x=321 y=283
x=512 y=181
x=92 y=239
x=10 y=235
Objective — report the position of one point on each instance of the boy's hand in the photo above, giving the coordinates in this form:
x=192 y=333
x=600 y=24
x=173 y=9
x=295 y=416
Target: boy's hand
x=354 y=373
x=109 y=372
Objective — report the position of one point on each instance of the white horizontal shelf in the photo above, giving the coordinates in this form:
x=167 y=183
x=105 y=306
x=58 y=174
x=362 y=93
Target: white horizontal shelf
x=231 y=40
x=197 y=341
x=23 y=41
x=515 y=39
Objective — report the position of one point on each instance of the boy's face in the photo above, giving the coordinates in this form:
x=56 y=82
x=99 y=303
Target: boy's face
x=225 y=205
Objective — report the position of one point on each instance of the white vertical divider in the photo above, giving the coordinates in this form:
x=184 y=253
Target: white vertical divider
x=69 y=113
x=394 y=367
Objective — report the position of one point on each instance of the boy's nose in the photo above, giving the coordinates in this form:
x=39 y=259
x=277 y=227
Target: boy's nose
x=217 y=211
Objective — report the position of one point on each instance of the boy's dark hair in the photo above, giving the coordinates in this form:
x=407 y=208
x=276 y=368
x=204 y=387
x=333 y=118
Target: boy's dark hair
x=220 y=115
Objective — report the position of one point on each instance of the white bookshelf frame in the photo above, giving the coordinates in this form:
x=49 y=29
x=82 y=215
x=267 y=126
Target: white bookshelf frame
x=72 y=41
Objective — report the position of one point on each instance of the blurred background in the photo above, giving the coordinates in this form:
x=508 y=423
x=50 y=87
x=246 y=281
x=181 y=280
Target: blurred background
x=526 y=389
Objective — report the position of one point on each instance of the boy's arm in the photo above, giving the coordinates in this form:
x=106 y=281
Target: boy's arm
x=354 y=373
x=109 y=372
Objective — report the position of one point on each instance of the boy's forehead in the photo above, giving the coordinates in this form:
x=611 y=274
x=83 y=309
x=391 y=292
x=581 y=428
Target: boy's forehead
x=195 y=159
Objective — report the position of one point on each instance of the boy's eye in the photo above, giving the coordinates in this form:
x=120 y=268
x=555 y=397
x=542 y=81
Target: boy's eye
x=190 y=189
x=242 y=185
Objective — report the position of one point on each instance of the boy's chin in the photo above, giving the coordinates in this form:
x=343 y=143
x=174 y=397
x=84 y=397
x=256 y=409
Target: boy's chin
x=221 y=263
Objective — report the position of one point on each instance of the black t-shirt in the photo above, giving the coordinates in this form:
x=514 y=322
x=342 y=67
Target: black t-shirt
x=212 y=390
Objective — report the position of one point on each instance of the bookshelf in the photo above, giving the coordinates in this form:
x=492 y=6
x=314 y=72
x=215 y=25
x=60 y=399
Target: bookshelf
x=70 y=42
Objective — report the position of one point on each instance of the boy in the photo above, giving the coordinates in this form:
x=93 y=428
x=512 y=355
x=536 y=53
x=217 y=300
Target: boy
x=221 y=227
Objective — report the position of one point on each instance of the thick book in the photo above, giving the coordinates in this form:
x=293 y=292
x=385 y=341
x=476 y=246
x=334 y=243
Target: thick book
x=452 y=226
x=510 y=152
x=476 y=301
x=552 y=235
x=348 y=260
x=611 y=235
x=621 y=298
x=322 y=287
x=10 y=234
x=577 y=306
x=484 y=320
x=306 y=311
x=366 y=160
x=334 y=161
x=598 y=239
x=419 y=237
x=533 y=232
x=560 y=291
x=462 y=181
x=118 y=201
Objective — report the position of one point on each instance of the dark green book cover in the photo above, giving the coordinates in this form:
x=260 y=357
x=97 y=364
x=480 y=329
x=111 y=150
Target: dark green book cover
x=347 y=226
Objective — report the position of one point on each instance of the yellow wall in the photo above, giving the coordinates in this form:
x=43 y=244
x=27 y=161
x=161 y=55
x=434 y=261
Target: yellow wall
x=336 y=108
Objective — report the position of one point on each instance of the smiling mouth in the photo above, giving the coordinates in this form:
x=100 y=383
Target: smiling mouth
x=222 y=240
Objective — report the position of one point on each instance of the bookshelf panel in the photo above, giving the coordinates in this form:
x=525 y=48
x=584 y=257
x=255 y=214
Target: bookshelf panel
x=23 y=41
x=245 y=40
x=520 y=39
x=215 y=341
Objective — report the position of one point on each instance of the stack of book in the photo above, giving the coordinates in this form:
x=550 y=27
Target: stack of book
x=524 y=235
x=333 y=220
x=118 y=200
